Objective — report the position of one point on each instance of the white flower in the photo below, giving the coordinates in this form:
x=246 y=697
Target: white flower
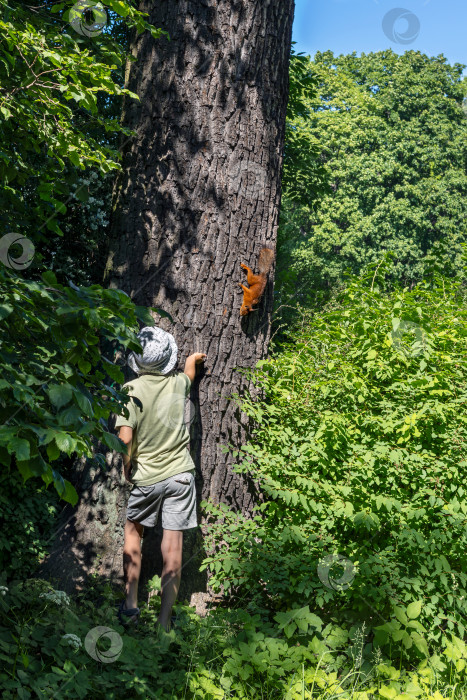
x=3 y=590
x=73 y=640
x=59 y=597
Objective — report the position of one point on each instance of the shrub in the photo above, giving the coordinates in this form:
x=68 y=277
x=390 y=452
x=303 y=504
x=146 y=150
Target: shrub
x=52 y=645
x=360 y=449
x=57 y=344
x=28 y=520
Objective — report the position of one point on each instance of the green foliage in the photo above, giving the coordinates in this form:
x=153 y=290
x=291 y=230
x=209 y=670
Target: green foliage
x=80 y=255
x=360 y=452
x=55 y=391
x=59 y=104
x=47 y=649
x=28 y=521
x=53 y=84
x=304 y=174
x=392 y=141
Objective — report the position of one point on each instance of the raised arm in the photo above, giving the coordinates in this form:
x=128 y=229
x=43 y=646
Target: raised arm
x=191 y=362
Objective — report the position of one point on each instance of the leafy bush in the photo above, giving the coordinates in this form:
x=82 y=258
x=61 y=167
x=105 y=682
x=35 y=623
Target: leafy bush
x=28 y=516
x=360 y=449
x=54 y=85
x=55 y=646
x=56 y=347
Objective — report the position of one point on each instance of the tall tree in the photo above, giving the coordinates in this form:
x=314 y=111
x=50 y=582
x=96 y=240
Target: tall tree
x=393 y=142
x=200 y=193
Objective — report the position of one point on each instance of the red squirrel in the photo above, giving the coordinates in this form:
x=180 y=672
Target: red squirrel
x=257 y=283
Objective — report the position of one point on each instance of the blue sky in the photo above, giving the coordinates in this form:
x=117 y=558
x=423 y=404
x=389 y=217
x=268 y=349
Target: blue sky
x=343 y=26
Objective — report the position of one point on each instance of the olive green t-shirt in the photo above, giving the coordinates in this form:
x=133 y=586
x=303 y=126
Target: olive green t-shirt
x=160 y=437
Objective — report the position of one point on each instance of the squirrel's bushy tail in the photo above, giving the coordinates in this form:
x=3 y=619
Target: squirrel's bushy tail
x=265 y=260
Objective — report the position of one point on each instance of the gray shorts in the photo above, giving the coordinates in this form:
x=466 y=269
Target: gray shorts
x=177 y=495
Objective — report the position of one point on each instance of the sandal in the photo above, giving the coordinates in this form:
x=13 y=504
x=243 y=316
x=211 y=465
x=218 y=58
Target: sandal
x=132 y=614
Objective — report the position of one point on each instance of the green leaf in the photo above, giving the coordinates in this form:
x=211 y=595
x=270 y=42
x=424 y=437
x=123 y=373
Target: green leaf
x=420 y=643
x=20 y=448
x=53 y=452
x=144 y=316
x=49 y=277
x=25 y=470
x=65 y=443
x=120 y=7
x=84 y=366
x=113 y=442
x=60 y=394
x=84 y=403
x=70 y=416
x=60 y=207
x=34 y=466
x=400 y=615
x=59 y=483
x=5 y=310
x=75 y=159
x=414 y=609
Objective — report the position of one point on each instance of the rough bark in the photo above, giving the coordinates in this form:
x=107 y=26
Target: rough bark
x=198 y=195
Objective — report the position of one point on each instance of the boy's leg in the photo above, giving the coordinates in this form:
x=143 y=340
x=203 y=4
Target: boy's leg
x=132 y=561
x=172 y=544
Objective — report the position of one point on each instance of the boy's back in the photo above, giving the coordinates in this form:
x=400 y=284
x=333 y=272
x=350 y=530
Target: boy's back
x=160 y=437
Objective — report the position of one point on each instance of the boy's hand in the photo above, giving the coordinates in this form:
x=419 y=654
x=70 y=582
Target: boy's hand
x=199 y=357
x=191 y=362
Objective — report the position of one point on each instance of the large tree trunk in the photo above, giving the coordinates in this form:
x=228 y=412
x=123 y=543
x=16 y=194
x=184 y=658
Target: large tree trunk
x=200 y=193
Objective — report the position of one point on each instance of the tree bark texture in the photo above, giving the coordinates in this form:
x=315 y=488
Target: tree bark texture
x=198 y=195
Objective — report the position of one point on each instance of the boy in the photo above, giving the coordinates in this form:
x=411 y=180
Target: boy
x=158 y=464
